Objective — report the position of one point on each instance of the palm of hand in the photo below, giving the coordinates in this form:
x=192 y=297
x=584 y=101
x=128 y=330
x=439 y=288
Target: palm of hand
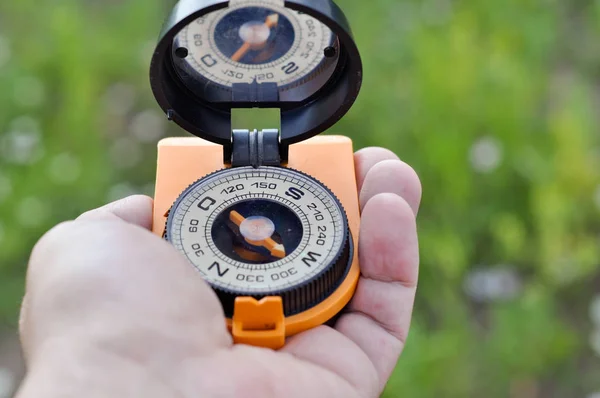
x=124 y=311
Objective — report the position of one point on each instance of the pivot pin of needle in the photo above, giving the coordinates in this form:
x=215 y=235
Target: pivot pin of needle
x=257 y=228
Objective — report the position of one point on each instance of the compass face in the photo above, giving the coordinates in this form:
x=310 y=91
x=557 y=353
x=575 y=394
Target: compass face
x=258 y=41
x=251 y=28
x=261 y=231
x=260 y=220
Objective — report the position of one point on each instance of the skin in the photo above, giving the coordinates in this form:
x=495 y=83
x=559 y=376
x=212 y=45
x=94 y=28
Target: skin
x=112 y=310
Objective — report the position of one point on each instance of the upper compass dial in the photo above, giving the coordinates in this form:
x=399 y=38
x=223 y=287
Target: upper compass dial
x=295 y=56
x=262 y=41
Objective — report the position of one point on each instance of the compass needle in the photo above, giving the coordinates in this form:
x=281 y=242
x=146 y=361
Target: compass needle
x=272 y=20
x=276 y=249
x=256 y=36
x=236 y=217
x=239 y=54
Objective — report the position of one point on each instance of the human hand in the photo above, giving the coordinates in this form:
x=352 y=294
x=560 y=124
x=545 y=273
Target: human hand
x=112 y=310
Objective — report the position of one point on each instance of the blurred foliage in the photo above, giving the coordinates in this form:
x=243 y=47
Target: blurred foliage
x=494 y=103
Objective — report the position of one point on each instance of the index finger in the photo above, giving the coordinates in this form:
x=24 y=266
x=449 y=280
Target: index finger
x=389 y=257
x=379 y=170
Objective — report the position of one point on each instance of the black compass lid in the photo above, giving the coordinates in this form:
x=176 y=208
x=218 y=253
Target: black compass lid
x=296 y=55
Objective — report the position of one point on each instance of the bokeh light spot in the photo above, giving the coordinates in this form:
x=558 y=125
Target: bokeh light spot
x=486 y=155
x=32 y=212
x=119 y=99
x=146 y=50
x=65 y=168
x=125 y=153
x=436 y=12
x=595 y=341
x=595 y=310
x=491 y=284
x=597 y=197
x=148 y=126
x=120 y=191
x=22 y=143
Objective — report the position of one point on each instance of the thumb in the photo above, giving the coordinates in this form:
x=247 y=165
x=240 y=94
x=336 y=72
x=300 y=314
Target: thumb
x=102 y=282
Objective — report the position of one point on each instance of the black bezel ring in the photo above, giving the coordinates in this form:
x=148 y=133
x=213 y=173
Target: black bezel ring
x=297 y=298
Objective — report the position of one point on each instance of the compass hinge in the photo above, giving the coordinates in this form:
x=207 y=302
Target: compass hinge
x=255 y=148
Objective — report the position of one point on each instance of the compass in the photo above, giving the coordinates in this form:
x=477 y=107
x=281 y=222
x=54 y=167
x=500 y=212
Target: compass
x=270 y=231
x=273 y=241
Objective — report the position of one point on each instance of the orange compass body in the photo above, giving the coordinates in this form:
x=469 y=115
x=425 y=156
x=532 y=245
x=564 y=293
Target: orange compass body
x=331 y=160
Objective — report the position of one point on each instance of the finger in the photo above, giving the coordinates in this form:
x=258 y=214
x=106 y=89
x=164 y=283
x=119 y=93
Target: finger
x=380 y=311
x=392 y=176
x=136 y=209
x=366 y=158
x=107 y=281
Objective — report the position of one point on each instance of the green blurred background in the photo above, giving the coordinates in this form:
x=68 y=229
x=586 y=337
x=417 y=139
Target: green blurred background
x=495 y=104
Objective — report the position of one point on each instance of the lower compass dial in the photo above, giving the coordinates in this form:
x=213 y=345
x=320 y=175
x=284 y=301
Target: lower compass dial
x=263 y=232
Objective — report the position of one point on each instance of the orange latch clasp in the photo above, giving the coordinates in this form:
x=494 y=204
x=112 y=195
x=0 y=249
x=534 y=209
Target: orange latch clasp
x=259 y=323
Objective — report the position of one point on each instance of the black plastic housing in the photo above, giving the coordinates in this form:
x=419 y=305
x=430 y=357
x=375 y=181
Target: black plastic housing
x=299 y=120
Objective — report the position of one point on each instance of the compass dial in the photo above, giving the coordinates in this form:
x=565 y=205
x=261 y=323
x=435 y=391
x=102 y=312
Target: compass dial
x=258 y=41
x=260 y=232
